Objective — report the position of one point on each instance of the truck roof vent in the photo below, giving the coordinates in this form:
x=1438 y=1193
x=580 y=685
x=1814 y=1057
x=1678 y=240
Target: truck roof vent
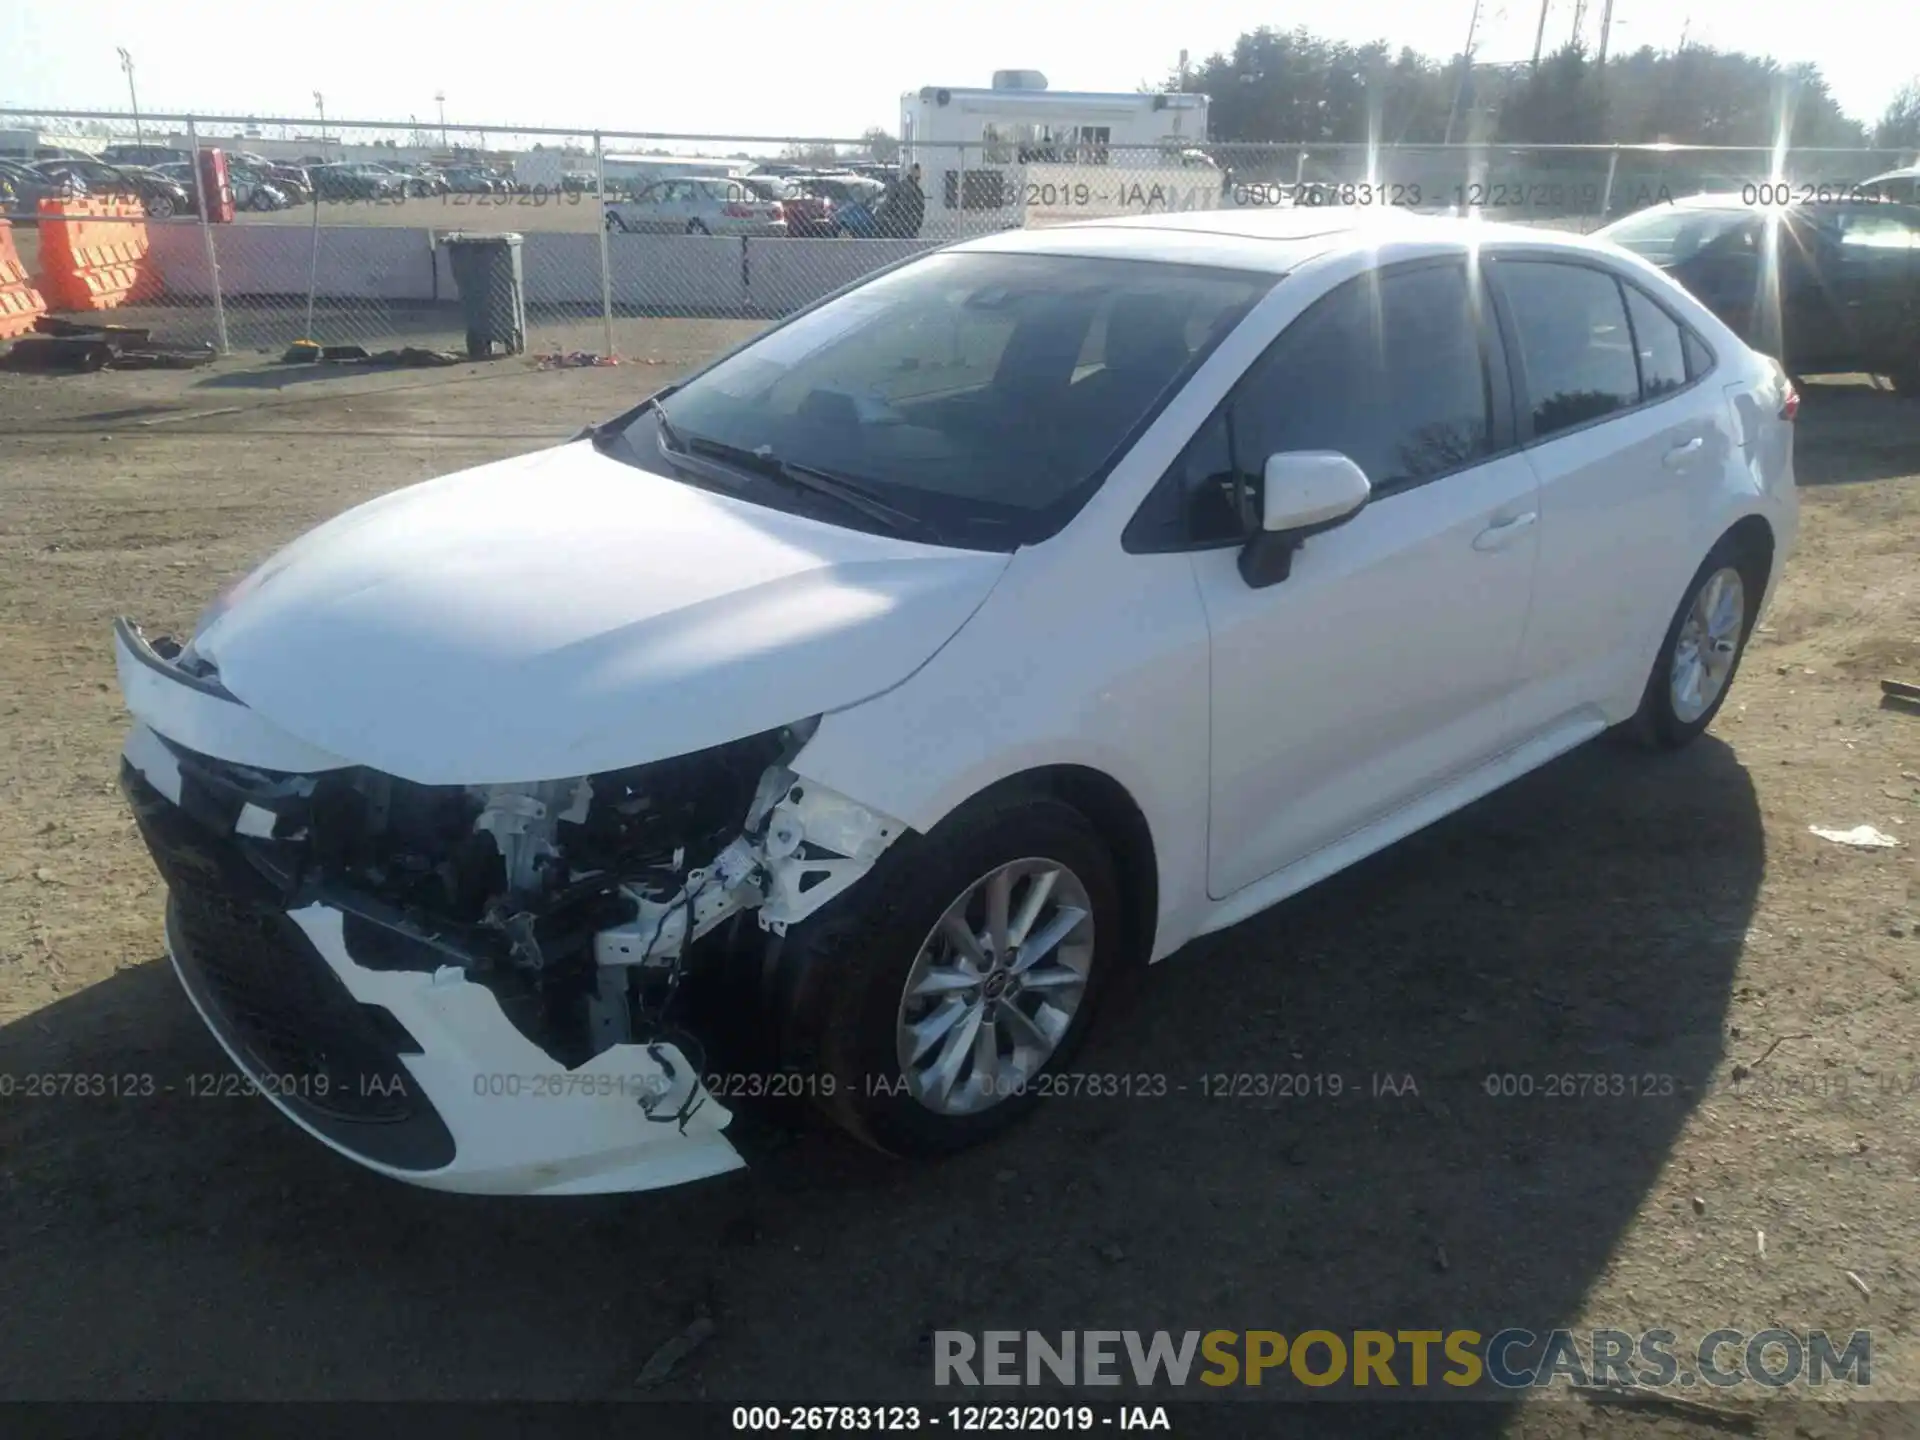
x=1019 y=80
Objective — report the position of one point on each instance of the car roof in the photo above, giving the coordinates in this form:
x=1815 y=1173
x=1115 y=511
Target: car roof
x=1271 y=240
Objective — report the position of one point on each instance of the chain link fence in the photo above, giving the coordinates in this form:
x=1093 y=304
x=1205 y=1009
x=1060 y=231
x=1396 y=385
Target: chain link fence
x=340 y=227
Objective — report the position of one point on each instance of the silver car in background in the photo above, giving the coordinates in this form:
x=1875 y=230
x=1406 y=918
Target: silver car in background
x=697 y=205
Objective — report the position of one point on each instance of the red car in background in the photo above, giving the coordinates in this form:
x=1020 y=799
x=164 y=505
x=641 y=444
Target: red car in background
x=808 y=214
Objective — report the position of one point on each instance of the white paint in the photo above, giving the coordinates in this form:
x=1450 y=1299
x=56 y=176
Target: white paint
x=558 y=614
x=562 y=613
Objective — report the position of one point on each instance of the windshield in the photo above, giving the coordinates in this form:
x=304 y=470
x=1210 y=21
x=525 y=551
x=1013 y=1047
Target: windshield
x=1670 y=235
x=984 y=394
x=767 y=187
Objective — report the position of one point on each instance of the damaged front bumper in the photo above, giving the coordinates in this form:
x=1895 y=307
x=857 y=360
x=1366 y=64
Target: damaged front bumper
x=420 y=1048
x=363 y=1038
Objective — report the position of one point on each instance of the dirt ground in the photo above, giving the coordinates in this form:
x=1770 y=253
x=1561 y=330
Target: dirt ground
x=1613 y=913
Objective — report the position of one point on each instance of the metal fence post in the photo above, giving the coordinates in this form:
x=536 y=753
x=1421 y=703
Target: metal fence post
x=206 y=234
x=606 y=272
x=1606 y=193
x=1299 y=172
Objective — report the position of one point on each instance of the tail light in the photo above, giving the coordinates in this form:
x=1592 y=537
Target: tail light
x=779 y=211
x=1790 y=404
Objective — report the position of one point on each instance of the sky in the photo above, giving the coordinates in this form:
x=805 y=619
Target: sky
x=831 y=68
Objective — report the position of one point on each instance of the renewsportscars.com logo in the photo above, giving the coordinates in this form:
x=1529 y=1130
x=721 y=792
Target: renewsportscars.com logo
x=1372 y=1360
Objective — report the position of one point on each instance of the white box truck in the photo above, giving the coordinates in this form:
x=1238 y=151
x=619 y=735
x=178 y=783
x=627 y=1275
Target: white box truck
x=1017 y=153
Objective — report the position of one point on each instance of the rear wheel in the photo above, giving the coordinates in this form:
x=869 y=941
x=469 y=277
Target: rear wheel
x=697 y=227
x=160 y=207
x=1702 y=650
x=930 y=1004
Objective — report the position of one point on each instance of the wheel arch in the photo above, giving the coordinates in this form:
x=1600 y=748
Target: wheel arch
x=1122 y=824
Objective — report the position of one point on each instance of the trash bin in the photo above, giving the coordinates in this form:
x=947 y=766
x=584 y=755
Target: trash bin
x=493 y=292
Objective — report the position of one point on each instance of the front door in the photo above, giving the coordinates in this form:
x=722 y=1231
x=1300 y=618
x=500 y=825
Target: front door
x=1380 y=668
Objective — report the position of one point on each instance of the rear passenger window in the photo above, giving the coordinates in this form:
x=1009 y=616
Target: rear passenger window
x=1656 y=339
x=1575 y=347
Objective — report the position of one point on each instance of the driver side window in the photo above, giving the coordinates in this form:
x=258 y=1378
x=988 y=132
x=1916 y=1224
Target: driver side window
x=1389 y=370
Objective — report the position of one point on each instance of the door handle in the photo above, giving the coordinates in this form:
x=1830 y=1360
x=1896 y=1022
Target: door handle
x=1683 y=451
x=1504 y=532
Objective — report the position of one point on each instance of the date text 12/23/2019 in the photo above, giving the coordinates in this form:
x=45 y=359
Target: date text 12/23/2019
x=959 y=1419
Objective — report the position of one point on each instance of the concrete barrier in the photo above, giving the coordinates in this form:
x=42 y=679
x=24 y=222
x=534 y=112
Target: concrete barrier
x=673 y=274
x=354 y=262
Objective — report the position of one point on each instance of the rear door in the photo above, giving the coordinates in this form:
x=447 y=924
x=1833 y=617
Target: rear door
x=1625 y=434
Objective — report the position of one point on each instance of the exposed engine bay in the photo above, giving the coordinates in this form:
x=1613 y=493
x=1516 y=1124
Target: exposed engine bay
x=581 y=904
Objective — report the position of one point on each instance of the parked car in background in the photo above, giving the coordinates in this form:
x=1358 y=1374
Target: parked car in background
x=853 y=198
x=290 y=178
x=579 y=182
x=1902 y=187
x=1846 y=276
x=472 y=180
x=251 y=189
x=355 y=182
x=150 y=155
x=420 y=180
x=697 y=205
x=26 y=187
x=808 y=215
x=162 y=196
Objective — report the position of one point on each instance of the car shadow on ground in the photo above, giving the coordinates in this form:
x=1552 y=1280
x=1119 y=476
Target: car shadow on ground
x=1432 y=1093
x=1878 y=430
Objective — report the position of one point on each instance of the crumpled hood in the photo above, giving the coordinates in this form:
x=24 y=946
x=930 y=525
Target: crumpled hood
x=561 y=613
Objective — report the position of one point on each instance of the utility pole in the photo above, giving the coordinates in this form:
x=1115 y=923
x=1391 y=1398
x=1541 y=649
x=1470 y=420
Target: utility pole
x=441 y=97
x=1606 y=26
x=126 y=64
x=320 y=104
x=1579 y=19
x=1466 y=68
x=1183 y=72
x=1540 y=35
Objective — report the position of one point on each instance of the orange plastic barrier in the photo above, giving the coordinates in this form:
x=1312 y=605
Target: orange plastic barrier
x=93 y=253
x=20 y=303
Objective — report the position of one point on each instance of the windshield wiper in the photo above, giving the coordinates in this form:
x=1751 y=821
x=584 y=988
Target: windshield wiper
x=607 y=429
x=850 y=493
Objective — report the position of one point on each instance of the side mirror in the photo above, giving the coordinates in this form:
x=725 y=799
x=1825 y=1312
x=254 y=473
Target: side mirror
x=1303 y=492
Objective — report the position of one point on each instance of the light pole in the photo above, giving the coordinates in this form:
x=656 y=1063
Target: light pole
x=440 y=96
x=126 y=64
x=320 y=104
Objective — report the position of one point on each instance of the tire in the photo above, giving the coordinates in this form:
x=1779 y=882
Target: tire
x=1672 y=713
x=839 y=993
x=160 y=207
x=1906 y=379
x=614 y=222
x=697 y=227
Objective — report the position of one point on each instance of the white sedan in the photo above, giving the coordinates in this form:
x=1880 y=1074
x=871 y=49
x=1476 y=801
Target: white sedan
x=861 y=705
x=697 y=205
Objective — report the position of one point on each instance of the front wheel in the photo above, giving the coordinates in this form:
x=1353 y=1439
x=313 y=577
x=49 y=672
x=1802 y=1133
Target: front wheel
x=160 y=207
x=1702 y=650
x=696 y=227
x=938 y=1000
